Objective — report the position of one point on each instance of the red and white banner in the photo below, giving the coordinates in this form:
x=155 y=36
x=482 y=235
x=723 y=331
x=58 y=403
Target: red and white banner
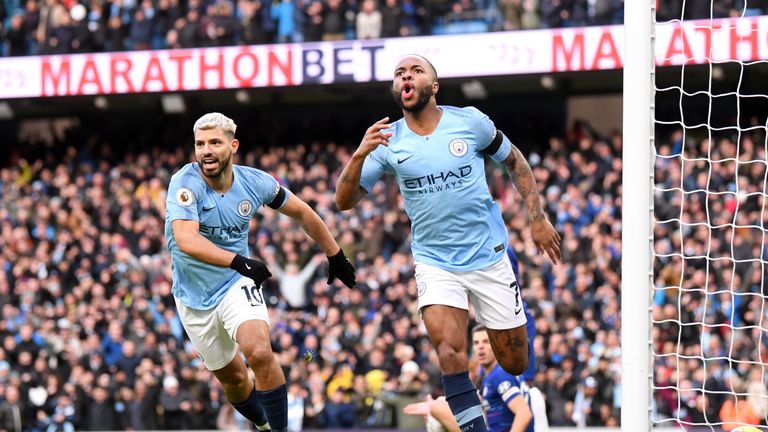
x=454 y=56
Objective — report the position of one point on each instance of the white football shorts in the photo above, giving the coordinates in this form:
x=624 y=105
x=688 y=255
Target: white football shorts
x=493 y=291
x=213 y=331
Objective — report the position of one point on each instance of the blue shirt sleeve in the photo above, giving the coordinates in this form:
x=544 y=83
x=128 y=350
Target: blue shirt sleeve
x=373 y=167
x=485 y=132
x=181 y=202
x=264 y=186
x=508 y=388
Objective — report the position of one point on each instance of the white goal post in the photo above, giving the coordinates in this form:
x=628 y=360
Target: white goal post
x=637 y=215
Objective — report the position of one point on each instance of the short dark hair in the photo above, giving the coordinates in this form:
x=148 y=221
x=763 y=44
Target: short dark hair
x=431 y=66
x=479 y=328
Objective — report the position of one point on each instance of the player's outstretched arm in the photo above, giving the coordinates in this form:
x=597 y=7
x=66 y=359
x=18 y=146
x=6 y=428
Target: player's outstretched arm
x=338 y=264
x=188 y=239
x=348 y=189
x=543 y=233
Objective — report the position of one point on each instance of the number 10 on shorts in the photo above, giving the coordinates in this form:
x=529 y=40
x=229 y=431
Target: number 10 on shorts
x=253 y=294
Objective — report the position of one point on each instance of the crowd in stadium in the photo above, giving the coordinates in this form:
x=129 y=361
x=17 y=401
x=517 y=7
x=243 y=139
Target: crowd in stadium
x=33 y=27
x=90 y=339
x=709 y=303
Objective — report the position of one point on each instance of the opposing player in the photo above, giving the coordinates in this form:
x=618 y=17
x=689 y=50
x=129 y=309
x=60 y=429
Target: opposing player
x=216 y=286
x=506 y=402
x=459 y=238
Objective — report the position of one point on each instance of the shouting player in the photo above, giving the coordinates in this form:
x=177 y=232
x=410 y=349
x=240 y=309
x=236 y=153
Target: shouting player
x=459 y=238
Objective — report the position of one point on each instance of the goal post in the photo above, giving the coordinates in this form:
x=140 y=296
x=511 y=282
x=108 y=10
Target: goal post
x=637 y=215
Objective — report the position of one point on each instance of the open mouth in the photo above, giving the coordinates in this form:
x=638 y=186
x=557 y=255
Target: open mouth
x=210 y=163
x=408 y=90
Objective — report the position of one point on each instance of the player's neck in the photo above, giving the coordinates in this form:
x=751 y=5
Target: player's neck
x=490 y=367
x=424 y=122
x=223 y=182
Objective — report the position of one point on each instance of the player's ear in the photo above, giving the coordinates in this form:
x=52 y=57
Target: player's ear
x=235 y=145
x=435 y=87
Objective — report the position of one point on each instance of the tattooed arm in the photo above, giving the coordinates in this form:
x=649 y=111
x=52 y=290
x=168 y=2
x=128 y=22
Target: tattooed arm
x=348 y=189
x=542 y=232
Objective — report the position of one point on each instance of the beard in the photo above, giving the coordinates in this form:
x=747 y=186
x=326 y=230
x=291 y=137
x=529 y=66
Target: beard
x=422 y=99
x=223 y=164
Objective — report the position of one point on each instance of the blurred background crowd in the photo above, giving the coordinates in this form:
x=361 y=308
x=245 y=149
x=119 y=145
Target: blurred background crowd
x=709 y=301
x=91 y=340
x=34 y=27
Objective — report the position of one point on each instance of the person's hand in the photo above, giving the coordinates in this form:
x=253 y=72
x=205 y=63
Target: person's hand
x=546 y=238
x=340 y=268
x=419 y=408
x=374 y=137
x=251 y=268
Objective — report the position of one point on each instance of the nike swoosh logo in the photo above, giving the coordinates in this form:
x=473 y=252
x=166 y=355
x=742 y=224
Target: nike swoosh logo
x=247 y=266
x=208 y=209
x=517 y=311
x=399 y=161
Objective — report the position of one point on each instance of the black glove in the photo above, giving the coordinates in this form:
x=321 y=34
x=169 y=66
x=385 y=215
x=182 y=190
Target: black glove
x=251 y=268
x=340 y=267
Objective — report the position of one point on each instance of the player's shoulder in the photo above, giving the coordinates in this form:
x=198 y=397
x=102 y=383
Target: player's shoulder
x=397 y=128
x=249 y=172
x=464 y=113
x=498 y=374
x=187 y=176
x=255 y=180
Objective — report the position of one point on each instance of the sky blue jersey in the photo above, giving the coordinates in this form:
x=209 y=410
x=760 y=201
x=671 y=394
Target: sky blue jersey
x=223 y=220
x=499 y=388
x=456 y=224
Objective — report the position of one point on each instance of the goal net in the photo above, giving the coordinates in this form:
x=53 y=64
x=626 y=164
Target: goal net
x=709 y=332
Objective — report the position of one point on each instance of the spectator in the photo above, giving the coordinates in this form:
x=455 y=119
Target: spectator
x=391 y=14
x=369 y=21
x=100 y=414
x=293 y=283
x=333 y=21
x=11 y=411
x=284 y=14
x=338 y=413
x=313 y=26
x=16 y=37
x=250 y=23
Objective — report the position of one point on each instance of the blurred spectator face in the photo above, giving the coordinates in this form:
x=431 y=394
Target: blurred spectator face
x=129 y=349
x=17 y=21
x=338 y=396
x=12 y=394
x=100 y=394
x=26 y=332
x=481 y=346
x=25 y=358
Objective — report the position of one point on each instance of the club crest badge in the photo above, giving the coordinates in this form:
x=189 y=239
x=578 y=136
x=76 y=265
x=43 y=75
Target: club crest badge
x=244 y=208
x=422 y=288
x=458 y=147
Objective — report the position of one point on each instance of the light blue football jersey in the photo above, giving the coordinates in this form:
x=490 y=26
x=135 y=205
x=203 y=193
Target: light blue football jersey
x=223 y=220
x=456 y=224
